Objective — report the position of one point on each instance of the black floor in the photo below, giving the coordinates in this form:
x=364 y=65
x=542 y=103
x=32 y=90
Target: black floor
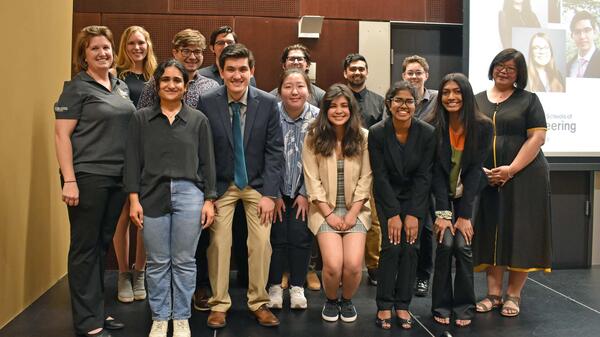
x=562 y=303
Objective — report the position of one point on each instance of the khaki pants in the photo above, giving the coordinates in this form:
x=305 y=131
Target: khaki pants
x=373 y=242
x=219 y=250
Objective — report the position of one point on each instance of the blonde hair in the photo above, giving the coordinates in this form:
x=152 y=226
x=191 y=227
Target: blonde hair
x=83 y=41
x=188 y=37
x=124 y=63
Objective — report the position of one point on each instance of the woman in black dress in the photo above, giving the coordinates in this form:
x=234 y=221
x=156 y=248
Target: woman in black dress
x=464 y=137
x=401 y=150
x=513 y=221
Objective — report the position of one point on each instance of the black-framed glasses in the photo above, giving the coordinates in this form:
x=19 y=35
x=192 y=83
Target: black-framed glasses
x=224 y=42
x=186 y=52
x=508 y=69
x=402 y=101
x=414 y=73
x=298 y=59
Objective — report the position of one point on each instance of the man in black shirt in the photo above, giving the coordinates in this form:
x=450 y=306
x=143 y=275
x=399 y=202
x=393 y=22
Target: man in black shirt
x=371 y=105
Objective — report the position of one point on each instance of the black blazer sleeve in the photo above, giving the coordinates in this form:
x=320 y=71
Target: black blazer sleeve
x=385 y=196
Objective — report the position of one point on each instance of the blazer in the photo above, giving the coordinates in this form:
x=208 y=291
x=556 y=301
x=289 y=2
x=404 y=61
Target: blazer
x=471 y=173
x=320 y=179
x=401 y=180
x=263 y=140
x=593 y=67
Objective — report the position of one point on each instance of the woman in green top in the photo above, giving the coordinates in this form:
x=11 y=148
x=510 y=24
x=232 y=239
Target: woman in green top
x=463 y=140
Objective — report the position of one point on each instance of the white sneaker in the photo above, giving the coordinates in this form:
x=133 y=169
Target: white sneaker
x=159 y=329
x=297 y=298
x=275 y=297
x=181 y=328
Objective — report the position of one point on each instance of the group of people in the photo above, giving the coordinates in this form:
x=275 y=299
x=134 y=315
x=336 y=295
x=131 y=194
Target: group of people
x=302 y=164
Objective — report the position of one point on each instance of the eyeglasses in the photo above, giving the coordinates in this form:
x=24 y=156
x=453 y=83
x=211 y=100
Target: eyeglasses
x=187 y=52
x=298 y=59
x=402 y=101
x=509 y=70
x=224 y=42
x=583 y=31
x=414 y=73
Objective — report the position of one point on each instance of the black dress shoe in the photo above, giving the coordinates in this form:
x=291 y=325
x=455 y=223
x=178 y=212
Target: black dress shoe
x=422 y=288
x=113 y=324
x=372 y=276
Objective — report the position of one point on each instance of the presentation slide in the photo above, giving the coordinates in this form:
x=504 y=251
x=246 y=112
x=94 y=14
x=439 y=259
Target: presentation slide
x=561 y=43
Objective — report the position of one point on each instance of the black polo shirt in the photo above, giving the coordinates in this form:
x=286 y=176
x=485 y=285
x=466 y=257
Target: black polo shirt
x=158 y=152
x=102 y=116
x=371 y=107
x=427 y=104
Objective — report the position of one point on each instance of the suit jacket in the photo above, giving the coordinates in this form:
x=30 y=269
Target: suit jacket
x=263 y=140
x=401 y=180
x=593 y=68
x=320 y=179
x=471 y=174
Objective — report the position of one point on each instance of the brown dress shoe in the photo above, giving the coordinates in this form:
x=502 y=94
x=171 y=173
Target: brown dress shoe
x=312 y=281
x=216 y=319
x=265 y=317
x=200 y=299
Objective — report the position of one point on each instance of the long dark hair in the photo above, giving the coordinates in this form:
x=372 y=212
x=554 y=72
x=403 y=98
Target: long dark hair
x=471 y=118
x=321 y=134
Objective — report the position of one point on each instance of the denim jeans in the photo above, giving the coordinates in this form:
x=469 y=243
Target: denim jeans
x=171 y=241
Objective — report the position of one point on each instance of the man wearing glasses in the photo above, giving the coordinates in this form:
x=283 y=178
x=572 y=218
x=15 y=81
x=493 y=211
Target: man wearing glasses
x=584 y=30
x=219 y=39
x=415 y=70
x=298 y=56
x=188 y=46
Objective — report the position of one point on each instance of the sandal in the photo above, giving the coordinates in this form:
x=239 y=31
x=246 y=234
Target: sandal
x=383 y=323
x=463 y=325
x=511 y=310
x=441 y=320
x=482 y=306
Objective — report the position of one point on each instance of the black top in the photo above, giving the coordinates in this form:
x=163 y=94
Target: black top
x=135 y=82
x=158 y=152
x=212 y=72
x=371 y=106
x=102 y=116
x=401 y=173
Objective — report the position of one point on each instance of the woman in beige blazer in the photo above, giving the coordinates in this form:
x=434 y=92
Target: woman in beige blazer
x=337 y=175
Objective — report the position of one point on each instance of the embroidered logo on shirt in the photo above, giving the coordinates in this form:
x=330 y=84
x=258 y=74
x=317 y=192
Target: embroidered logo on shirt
x=61 y=108
x=123 y=93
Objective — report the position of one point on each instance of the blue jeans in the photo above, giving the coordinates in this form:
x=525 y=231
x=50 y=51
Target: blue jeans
x=171 y=241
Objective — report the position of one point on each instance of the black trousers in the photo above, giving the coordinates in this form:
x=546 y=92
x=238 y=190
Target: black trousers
x=397 y=269
x=93 y=224
x=445 y=300
x=425 y=264
x=291 y=241
x=240 y=250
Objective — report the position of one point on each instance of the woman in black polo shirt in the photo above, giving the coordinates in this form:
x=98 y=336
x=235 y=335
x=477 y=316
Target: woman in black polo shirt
x=171 y=179
x=92 y=115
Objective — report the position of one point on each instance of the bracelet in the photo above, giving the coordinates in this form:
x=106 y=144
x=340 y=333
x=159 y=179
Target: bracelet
x=69 y=181
x=328 y=214
x=509 y=175
x=447 y=215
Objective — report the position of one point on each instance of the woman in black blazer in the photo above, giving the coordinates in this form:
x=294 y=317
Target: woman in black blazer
x=401 y=150
x=463 y=140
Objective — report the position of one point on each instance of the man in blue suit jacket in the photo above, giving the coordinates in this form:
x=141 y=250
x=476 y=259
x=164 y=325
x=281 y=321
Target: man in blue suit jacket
x=249 y=158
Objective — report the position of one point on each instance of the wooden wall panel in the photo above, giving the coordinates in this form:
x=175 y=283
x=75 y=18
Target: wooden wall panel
x=268 y=8
x=81 y=20
x=121 y=6
x=387 y=10
x=447 y=11
x=267 y=38
x=162 y=28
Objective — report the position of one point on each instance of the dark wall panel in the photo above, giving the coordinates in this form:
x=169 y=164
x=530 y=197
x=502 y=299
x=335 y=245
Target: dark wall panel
x=269 y=8
x=81 y=20
x=399 y=10
x=448 y=11
x=121 y=6
x=162 y=28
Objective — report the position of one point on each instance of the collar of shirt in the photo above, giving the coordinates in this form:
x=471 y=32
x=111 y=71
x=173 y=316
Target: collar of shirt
x=84 y=76
x=361 y=94
x=427 y=95
x=287 y=117
x=243 y=100
x=157 y=111
x=588 y=55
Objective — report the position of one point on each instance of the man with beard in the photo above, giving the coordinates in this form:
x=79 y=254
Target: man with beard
x=415 y=70
x=371 y=105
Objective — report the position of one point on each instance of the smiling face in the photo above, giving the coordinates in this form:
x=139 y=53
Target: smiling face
x=416 y=75
x=356 y=74
x=236 y=74
x=294 y=92
x=296 y=59
x=223 y=40
x=99 y=54
x=171 y=85
x=338 y=113
x=541 y=51
x=452 y=97
x=505 y=74
x=137 y=47
x=584 y=34
x=402 y=106
x=190 y=56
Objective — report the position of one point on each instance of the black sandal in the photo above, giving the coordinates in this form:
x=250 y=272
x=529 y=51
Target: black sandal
x=383 y=323
x=435 y=318
x=405 y=324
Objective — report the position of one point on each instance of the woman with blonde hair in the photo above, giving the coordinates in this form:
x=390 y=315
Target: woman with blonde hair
x=543 y=74
x=135 y=65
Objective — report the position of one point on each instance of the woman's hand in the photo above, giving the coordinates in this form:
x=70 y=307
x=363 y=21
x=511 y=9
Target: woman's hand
x=70 y=193
x=208 y=214
x=136 y=213
x=350 y=220
x=279 y=209
x=335 y=222
x=411 y=227
x=440 y=226
x=301 y=203
x=501 y=174
x=394 y=229
x=490 y=177
x=466 y=228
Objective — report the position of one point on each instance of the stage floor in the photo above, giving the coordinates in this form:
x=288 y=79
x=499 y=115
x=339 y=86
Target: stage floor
x=562 y=303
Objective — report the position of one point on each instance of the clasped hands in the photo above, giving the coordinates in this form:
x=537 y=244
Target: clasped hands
x=498 y=176
x=341 y=223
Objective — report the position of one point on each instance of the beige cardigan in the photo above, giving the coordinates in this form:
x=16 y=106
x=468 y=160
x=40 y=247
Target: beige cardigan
x=320 y=179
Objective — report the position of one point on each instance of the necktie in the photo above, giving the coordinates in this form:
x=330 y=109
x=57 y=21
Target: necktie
x=582 y=65
x=240 y=176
